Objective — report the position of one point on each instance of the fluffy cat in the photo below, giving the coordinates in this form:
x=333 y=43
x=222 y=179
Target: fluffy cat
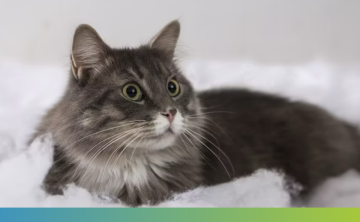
x=131 y=126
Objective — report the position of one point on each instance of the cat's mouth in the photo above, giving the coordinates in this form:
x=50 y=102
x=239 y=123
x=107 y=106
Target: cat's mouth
x=157 y=141
x=167 y=132
x=164 y=134
x=164 y=127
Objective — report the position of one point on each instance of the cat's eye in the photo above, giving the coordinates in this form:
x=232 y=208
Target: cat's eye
x=173 y=88
x=132 y=92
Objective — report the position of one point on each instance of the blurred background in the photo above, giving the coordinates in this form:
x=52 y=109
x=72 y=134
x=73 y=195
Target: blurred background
x=269 y=32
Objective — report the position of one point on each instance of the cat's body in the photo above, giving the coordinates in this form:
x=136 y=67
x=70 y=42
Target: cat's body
x=131 y=126
x=266 y=131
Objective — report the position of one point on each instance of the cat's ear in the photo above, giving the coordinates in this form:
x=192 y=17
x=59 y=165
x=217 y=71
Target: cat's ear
x=88 y=52
x=167 y=38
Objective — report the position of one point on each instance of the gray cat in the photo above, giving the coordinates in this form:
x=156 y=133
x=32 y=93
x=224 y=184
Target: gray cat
x=131 y=126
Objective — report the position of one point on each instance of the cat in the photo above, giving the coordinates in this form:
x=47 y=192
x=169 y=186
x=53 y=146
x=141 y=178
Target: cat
x=131 y=126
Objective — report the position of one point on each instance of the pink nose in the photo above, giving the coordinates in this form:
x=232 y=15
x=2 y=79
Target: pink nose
x=170 y=114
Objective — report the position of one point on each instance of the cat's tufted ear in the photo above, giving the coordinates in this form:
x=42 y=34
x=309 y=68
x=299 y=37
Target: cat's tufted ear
x=88 y=52
x=167 y=38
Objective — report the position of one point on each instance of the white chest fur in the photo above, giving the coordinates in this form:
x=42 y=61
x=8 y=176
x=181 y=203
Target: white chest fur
x=132 y=171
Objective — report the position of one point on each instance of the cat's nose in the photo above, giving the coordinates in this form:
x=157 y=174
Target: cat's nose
x=170 y=114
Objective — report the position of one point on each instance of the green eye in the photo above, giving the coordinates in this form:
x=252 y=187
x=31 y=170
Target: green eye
x=132 y=92
x=173 y=88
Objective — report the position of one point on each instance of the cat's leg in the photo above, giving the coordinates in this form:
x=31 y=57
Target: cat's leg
x=59 y=175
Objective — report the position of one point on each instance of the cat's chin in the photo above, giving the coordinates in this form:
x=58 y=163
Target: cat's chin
x=165 y=140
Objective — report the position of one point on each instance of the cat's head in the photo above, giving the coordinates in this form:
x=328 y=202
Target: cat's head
x=136 y=97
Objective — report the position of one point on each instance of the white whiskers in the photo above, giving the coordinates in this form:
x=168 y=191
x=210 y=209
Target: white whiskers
x=190 y=133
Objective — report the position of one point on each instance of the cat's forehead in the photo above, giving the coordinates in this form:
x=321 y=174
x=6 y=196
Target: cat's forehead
x=147 y=71
x=143 y=63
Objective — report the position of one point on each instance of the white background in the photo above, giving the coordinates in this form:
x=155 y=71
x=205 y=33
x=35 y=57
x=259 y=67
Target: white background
x=267 y=31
